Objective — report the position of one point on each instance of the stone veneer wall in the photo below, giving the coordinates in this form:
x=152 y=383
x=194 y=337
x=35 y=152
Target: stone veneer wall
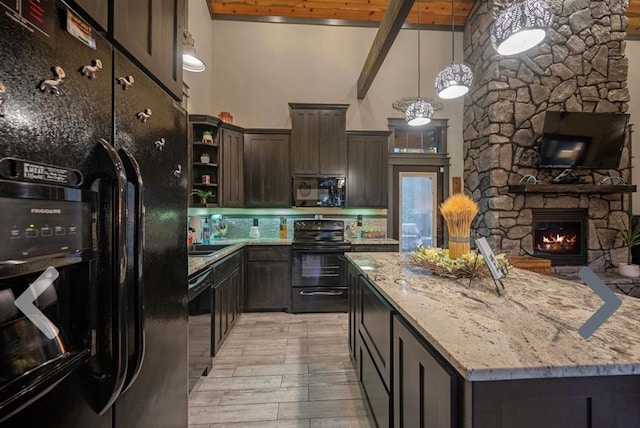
x=580 y=66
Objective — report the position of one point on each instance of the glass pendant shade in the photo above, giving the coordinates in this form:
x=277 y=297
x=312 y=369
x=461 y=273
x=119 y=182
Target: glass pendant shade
x=454 y=81
x=419 y=113
x=190 y=61
x=521 y=26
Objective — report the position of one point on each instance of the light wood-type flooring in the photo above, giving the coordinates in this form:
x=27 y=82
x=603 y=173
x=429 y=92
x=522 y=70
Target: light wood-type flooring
x=281 y=370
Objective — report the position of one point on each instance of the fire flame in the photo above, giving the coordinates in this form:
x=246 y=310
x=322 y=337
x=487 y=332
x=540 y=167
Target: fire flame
x=557 y=242
x=560 y=239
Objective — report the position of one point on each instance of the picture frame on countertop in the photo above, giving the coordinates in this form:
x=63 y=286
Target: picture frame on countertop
x=496 y=270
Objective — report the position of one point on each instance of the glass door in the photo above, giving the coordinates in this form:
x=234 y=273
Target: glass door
x=417 y=209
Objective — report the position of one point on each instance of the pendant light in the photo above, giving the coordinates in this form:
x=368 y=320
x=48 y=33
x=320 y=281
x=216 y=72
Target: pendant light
x=419 y=112
x=521 y=26
x=455 y=80
x=190 y=61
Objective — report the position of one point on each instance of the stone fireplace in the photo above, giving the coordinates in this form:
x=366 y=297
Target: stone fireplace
x=581 y=66
x=560 y=235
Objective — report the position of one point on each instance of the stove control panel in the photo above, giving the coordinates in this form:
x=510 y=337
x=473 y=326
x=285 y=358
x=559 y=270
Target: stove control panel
x=320 y=225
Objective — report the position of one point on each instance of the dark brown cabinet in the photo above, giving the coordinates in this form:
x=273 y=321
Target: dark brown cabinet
x=232 y=166
x=204 y=153
x=152 y=32
x=353 y=283
x=367 y=162
x=268 y=285
x=424 y=388
x=226 y=300
x=267 y=170
x=374 y=351
x=318 y=139
x=97 y=10
x=375 y=328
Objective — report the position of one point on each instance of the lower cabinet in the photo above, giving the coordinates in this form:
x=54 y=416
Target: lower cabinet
x=424 y=389
x=353 y=278
x=268 y=282
x=226 y=299
x=375 y=328
x=375 y=390
x=405 y=382
x=373 y=318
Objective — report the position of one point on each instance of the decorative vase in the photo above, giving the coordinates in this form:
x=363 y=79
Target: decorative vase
x=205 y=158
x=207 y=138
x=254 y=232
x=629 y=270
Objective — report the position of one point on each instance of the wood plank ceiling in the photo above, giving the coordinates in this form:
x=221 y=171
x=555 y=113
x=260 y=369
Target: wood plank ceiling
x=361 y=12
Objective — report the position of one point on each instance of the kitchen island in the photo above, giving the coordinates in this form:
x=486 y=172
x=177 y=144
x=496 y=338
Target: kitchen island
x=433 y=351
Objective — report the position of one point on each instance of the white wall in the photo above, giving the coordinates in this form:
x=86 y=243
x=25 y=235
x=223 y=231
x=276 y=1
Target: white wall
x=255 y=69
x=200 y=84
x=633 y=54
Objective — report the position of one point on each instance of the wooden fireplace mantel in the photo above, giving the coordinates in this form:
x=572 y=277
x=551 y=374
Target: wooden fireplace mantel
x=572 y=188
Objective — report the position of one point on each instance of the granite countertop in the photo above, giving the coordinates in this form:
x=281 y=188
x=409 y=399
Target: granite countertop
x=529 y=332
x=197 y=263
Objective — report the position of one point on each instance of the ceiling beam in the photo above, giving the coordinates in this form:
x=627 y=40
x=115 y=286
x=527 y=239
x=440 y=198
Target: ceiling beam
x=389 y=28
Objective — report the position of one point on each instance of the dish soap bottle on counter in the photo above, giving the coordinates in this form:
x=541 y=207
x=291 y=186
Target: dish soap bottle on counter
x=283 y=228
x=254 y=233
x=206 y=231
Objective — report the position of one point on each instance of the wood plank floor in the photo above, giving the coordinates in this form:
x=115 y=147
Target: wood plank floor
x=281 y=370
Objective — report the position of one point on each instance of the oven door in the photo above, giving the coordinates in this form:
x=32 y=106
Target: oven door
x=317 y=281
x=315 y=268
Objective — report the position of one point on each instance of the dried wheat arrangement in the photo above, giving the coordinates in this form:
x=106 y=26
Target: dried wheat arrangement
x=458 y=211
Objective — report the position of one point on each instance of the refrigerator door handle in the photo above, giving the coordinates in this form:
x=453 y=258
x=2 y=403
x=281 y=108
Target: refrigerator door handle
x=134 y=176
x=111 y=166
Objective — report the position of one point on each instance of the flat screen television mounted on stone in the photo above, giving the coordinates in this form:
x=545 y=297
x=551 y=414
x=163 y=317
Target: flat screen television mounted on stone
x=582 y=140
x=563 y=151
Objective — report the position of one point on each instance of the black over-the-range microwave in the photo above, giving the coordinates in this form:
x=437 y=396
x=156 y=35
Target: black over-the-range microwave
x=318 y=191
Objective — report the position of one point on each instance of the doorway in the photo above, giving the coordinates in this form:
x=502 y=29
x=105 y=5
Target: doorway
x=416 y=190
x=417 y=209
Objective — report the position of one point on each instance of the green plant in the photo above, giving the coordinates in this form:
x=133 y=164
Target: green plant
x=202 y=194
x=630 y=235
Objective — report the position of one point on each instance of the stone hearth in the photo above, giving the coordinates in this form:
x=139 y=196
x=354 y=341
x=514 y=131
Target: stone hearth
x=581 y=66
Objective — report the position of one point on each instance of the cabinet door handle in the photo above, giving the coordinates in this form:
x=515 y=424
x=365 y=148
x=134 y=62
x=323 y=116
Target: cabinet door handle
x=321 y=293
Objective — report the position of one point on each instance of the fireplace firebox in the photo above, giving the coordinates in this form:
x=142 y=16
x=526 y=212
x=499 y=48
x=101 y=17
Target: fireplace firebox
x=560 y=235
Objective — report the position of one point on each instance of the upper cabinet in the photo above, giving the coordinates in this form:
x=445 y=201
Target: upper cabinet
x=428 y=139
x=97 y=10
x=232 y=165
x=318 y=139
x=367 y=179
x=267 y=173
x=152 y=32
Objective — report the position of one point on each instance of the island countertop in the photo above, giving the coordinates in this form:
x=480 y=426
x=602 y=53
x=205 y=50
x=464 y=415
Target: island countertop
x=531 y=331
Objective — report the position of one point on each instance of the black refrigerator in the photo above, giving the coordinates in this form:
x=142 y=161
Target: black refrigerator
x=70 y=99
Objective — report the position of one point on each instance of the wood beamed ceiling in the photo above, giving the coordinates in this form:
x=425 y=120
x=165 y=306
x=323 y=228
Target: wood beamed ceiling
x=388 y=15
x=362 y=12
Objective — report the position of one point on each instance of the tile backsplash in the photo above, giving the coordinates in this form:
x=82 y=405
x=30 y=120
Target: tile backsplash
x=238 y=226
